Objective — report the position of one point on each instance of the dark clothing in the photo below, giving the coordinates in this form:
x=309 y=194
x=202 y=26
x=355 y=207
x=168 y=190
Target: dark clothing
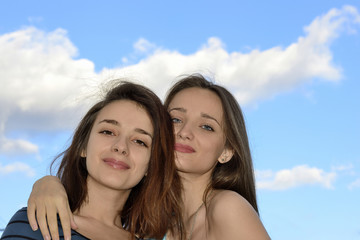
x=19 y=228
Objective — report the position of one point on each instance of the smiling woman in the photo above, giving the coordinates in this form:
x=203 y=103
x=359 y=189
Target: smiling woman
x=130 y=138
x=214 y=162
x=119 y=172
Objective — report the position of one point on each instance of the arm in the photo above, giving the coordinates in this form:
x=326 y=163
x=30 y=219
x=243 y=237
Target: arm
x=234 y=218
x=47 y=199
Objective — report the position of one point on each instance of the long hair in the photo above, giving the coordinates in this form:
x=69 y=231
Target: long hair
x=238 y=173
x=154 y=205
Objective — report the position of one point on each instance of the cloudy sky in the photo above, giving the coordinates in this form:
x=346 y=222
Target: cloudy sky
x=293 y=66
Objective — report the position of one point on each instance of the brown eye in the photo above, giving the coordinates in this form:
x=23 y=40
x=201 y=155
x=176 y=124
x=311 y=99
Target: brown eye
x=141 y=143
x=107 y=132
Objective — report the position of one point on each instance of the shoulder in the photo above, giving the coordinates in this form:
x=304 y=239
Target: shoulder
x=229 y=204
x=231 y=216
x=19 y=227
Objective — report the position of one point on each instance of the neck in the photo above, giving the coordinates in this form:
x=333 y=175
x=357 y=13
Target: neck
x=103 y=204
x=193 y=192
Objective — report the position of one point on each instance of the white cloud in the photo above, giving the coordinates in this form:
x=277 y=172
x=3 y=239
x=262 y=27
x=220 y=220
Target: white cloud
x=43 y=84
x=295 y=177
x=17 y=146
x=354 y=184
x=40 y=77
x=258 y=74
x=17 y=167
x=342 y=168
x=144 y=46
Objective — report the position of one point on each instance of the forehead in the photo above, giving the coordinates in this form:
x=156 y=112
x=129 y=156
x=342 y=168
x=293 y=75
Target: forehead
x=198 y=100
x=127 y=112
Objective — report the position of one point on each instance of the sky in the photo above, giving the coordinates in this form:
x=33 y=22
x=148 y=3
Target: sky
x=293 y=66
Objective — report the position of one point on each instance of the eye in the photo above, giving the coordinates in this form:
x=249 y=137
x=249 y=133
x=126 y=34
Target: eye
x=176 y=120
x=141 y=143
x=107 y=132
x=207 y=128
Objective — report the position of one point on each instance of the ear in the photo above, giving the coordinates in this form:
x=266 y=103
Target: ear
x=226 y=155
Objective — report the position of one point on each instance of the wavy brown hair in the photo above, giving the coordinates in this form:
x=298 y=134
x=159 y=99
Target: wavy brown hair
x=154 y=205
x=237 y=174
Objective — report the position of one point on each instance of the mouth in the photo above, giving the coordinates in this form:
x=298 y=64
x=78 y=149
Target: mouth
x=183 y=148
x=116 y=164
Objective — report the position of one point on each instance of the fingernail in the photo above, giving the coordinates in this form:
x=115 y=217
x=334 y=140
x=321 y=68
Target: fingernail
x=34 y=227
x=47 y=237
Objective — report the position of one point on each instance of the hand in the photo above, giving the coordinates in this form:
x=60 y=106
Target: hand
x=47 y=199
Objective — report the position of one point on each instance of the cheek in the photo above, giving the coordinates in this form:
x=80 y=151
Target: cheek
x=143 y=162
x=176 y=129
x=215 y=147
x=90 y=165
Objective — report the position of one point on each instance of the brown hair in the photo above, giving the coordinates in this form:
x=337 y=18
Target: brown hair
x=154 y=205
x=237 y=174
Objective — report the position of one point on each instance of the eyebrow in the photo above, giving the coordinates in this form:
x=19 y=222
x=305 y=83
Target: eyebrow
x=178 y=109
x=113 y=122
x=116 y=123
x=204 y=115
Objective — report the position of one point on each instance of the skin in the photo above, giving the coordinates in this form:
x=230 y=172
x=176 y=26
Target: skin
x=129 y=134
x=197 y=115
x=198 y=130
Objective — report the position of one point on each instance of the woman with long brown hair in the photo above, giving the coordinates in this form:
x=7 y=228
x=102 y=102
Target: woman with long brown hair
x=119 y=171
x=214 y=162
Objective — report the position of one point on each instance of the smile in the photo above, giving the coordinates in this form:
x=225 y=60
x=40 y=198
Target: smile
x=183 y=148
x=116 y=164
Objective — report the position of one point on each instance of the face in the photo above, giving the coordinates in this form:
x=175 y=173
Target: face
x=119 y=146
x=197 y=115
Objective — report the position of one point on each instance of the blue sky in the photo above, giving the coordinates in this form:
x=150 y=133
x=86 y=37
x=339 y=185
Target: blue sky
x=293 y=66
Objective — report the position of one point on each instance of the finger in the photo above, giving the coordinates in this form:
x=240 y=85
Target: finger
x=41 y=219
x=52 y=224
x=65 y=220
x=31 y=209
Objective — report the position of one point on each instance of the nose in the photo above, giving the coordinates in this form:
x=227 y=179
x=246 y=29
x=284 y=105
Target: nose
x=184 y=131
x=120 y=146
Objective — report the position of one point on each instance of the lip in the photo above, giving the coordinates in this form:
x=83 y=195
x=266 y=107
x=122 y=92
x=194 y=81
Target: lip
x=116 y=164
x=184 y=148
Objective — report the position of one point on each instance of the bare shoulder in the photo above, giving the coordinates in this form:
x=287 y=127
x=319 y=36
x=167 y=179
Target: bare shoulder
x=227 y=204
x=231 y=216
x=227 y=198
